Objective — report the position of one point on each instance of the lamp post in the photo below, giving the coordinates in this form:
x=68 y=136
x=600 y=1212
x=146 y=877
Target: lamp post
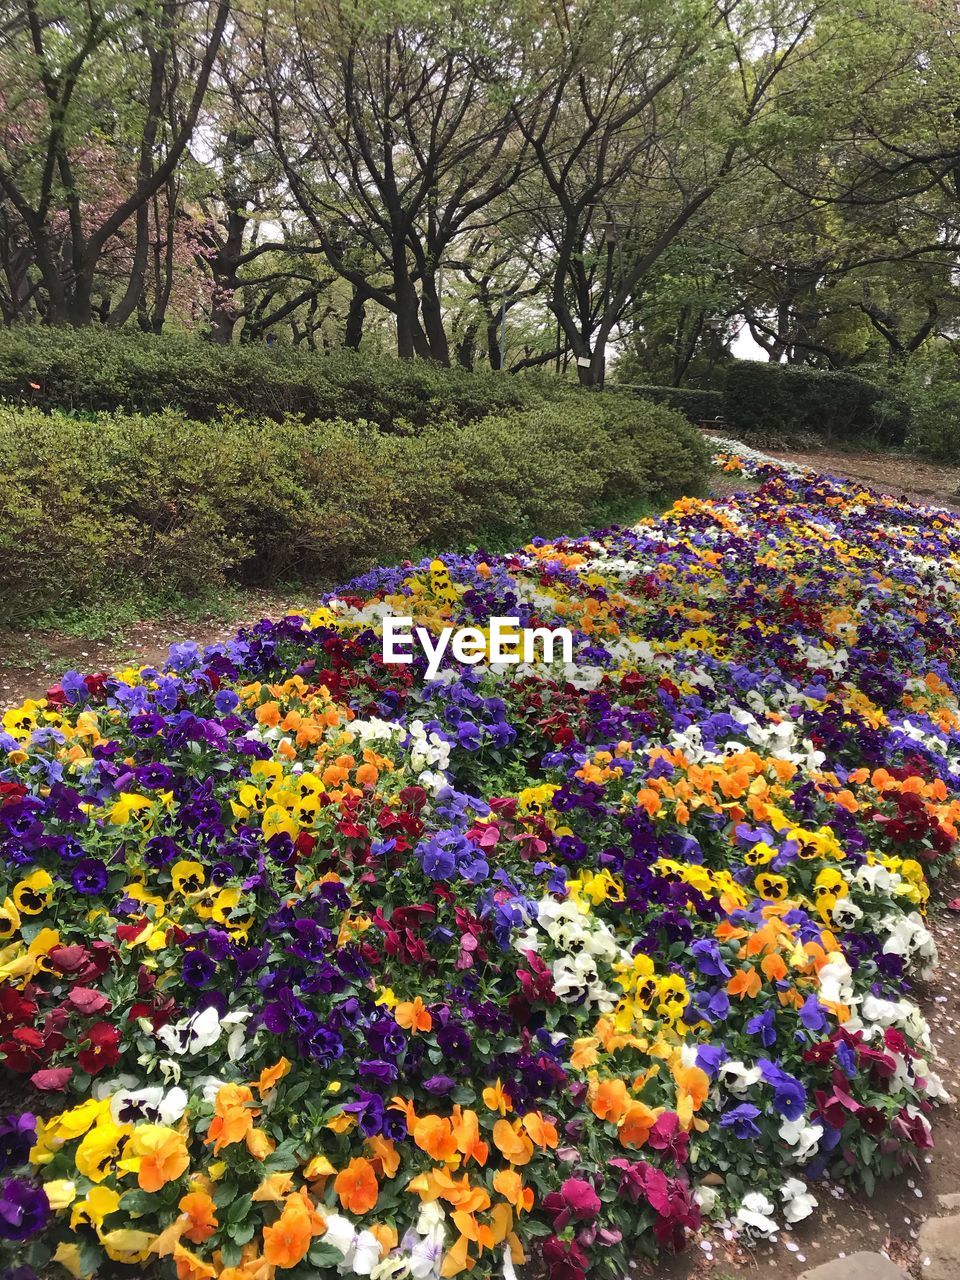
x=608 y=231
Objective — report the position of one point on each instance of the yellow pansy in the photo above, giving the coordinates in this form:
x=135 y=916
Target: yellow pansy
x=99 y=1152
x=97 y=1204
x=60 y=1193
x=127 y=1245
x=126 y=806
x=187 y=876
x=34 y=893
x=9 y=919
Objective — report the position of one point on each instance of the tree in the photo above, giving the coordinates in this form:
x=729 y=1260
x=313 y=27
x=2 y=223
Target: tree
x=102 y=104
x=636 y=114
x=391 y=146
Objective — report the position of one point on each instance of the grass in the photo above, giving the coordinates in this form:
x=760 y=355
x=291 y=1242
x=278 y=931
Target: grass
x=108 y=617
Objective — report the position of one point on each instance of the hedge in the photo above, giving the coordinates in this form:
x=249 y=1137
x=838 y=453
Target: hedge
x=95 y=369
x=695 y=405
x=935 y=421
x=791 y=399
x=96 y=507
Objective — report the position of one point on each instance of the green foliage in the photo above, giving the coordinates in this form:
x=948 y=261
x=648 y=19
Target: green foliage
x=795 y=400
x=99 y=506
x=695 y=405
x=935 y=422
x=92 y=369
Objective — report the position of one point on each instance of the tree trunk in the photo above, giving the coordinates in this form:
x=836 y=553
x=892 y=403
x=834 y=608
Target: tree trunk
x=467 y=347
x=433 y=321
x=356 y=314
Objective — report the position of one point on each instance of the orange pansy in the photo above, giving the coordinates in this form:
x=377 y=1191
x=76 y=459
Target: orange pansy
x=466 y=1131
x=190 y=1267
x=232 y=1118
x=356 y=1185
x=610 y=1100
x=542 y=1133
x=270 y=1076
x=512 y=1144
x=497 y=1099
x=413 y=1016
x=745 y=982
x=636 y=1125
x=286 y=1242
x=435 y=1136
x=509 y=1184
x=161 y=1154
x=383 y=1154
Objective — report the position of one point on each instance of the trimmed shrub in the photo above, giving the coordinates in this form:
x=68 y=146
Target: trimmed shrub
x=695 y=405
x=100 y=506
x=96 y=369
x=760 y=397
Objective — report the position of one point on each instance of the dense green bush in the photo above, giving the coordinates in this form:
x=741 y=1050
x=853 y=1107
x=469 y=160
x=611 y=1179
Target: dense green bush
x=795 y=400
x=94 y=507
x=935 y=421
x=87 y=370
x=695 y=405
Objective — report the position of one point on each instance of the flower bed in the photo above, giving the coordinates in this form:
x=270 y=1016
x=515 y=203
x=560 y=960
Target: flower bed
x=310 y=966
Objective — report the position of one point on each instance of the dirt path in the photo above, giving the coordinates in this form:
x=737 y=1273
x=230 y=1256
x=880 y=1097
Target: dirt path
x=30 y=662
x=924 y=483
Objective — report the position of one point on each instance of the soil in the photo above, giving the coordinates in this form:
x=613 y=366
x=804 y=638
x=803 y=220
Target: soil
x=927 y=484
x=890 y=1220
x=31 y=661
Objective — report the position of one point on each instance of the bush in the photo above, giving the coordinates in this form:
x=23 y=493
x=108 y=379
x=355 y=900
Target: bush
x=794 y=400
x=115 y=503
x=696 y=406
x=96 y=369
x=935 y=422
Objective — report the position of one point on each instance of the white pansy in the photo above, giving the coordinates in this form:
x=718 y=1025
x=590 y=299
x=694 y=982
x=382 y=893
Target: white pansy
x=392 y=1268
x=366 y=1253
x=360 y=1249
x=909 y=937
x=373 y=729
x=802 y=1137
x=428 y=750
x=835 y=980
x=340 y=1233
x=584 y=941
x=738 y=1078
x=845 y=913
x=152 y=1105
x=798 y=1202
x=202 y=1030
x=432 y=781
x=933 y=1084
x=876 y=879
x=756 y=1214
x=106 y=1087
x=424 y=1245
x=575 y=979
x=706 y=1197
x=875 y=1012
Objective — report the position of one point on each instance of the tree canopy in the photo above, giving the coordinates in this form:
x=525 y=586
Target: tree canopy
x=576 y=184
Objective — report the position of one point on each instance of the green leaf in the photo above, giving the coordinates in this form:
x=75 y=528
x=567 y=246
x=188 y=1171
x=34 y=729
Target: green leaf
x=325 y=1255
